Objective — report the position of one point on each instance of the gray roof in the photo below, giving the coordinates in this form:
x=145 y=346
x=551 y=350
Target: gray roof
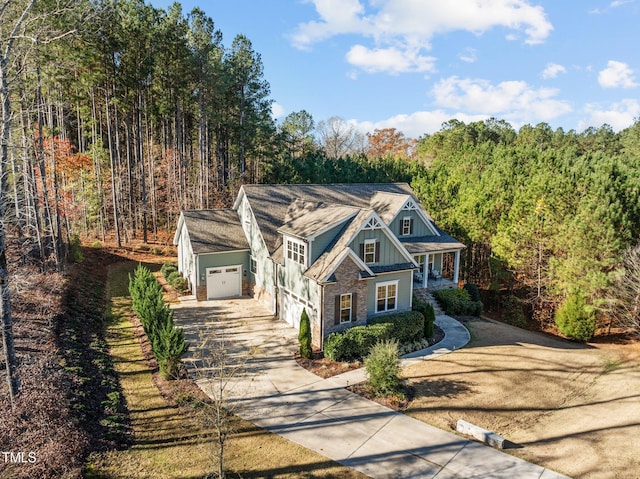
x=387 y=205
x=430 y=244
x=309 y=218
x=270 y=203
x=214 y=231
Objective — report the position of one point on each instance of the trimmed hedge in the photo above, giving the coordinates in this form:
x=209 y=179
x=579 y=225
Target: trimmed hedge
x=407 y=326
x=355 y=343
x=429 y=315
x=458 y=302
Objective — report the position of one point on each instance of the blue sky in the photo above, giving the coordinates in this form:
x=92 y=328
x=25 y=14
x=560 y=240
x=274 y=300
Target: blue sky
x=413 y=64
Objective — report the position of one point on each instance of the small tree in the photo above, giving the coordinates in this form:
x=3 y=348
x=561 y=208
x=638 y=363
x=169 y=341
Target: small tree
x=304 y=336
x=575 y=318
x=383 y=368
x=429 y=320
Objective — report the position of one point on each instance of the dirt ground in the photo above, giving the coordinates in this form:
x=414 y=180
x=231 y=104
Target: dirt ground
x=572 y=408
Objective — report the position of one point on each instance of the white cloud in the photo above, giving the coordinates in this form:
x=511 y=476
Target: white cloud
x=516 y=101
x=406 y=27
x=619 y=3
x=617 y=75
x=553 y=70
x=277 y=110
x=469 y=55
x=418 y=123
x=391 y=60
x=619 y=115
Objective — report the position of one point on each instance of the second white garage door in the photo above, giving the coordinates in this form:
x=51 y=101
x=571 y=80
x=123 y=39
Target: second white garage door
x=224 y=282
x=292 y=307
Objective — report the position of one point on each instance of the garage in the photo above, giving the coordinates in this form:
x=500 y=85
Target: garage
x=224 y=282
x=291 y=308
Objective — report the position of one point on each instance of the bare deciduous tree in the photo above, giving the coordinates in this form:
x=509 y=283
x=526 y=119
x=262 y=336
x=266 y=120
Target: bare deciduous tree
x=339 y=138
x=625 y=292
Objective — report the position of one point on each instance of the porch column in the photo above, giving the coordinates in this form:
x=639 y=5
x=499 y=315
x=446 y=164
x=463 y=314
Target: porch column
x=456 y=266
x=425 y=271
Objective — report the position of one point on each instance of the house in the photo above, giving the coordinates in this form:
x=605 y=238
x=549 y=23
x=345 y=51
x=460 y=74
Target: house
x=345 y=252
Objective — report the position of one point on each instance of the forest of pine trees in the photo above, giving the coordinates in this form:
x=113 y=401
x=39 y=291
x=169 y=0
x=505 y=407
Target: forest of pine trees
x=118 y=115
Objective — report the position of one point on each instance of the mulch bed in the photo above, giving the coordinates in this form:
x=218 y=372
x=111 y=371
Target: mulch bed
x=397 y=402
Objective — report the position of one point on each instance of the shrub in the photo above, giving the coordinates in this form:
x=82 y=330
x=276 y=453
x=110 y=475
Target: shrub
x=75 y=247
x=172 y=346
x=575 y=318
x=429 y=320
x=383 y=368
x=168 y=268
x=474 y=292
x=407 y=326
x=355 y=343
x=304 y=335
x=512 y=312
x=458 y=302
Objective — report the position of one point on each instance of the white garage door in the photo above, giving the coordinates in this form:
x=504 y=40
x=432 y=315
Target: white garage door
x=224 y=282
x=292 y=307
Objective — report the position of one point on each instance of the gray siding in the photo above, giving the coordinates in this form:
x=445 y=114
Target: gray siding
x=212 y=260
x=403 y=296
x=264 y=277
x=290 y=277
x=419 y=227
x=322 y=241
x=389 y=253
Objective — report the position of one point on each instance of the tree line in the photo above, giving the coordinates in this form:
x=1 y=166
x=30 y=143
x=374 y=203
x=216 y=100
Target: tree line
x=545 y=214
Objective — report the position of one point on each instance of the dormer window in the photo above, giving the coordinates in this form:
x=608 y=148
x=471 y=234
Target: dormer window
x=406 y=227
x=296 y=251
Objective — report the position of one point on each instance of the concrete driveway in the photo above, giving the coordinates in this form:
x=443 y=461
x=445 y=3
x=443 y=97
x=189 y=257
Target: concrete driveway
x=280 y=396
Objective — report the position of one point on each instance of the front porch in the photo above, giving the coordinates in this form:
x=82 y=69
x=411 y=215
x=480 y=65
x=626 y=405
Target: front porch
x=437 y=270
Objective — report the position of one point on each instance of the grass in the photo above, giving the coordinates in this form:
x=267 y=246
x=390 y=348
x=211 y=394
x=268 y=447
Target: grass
x=167 y=442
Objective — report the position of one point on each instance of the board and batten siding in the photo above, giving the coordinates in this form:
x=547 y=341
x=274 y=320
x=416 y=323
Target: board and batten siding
x=419 y=227
x=186 y=258
x=291 y=277
x=320 y=243
x=389 y=253
x=404 y=293
x=264 y=276
x=215 y=260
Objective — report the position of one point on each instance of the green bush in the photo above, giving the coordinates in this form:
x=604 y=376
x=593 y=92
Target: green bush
x=458 y=302
x=167 y=341
x=304 y=335
x=75 y=247
x=168 y=268
x=512 y=311
x=575 y=318
x=355 y=343
x=473 y=290
x=407 y=326
x=383 y=368
x=429 y=320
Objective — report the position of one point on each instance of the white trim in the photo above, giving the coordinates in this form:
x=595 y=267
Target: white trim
x=409 y=219
x=364 y=251
x=355 y=258
x=412 y=205
x=224 y=252
x=345 y=309
x=386 y=284
x=304 y=254
x=253 y=259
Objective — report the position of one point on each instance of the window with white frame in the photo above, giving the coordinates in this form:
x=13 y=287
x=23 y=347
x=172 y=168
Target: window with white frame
x=253 y=265
x=406 y=226
x=386 y=296
x=369 y=251
x=296 y=251
x=346 y=308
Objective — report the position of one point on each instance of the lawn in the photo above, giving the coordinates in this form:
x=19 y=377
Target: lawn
x=167 y=442
x=570 y=407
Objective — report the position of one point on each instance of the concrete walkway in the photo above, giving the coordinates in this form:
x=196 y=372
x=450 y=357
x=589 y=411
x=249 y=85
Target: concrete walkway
x=321 y=415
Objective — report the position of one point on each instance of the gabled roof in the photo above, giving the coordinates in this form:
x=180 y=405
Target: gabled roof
x=270 y=203
x=213 y=231
x=310 y=219
x=387 y=205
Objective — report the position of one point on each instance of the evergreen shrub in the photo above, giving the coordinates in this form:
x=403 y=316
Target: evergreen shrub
x=575 y=318
x=355 y=343
x=383 y=368
x=304 y=335
x=407 y=326
x=458 y=302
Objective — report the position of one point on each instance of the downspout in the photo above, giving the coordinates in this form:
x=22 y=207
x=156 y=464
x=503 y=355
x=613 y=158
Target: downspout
x=321 y=316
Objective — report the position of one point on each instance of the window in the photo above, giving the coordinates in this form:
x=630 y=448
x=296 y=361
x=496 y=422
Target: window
x=345 y=308
x=253 y=265
x=406 y=226
x=296 y=251
x=386 y=296
x=369 y=251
